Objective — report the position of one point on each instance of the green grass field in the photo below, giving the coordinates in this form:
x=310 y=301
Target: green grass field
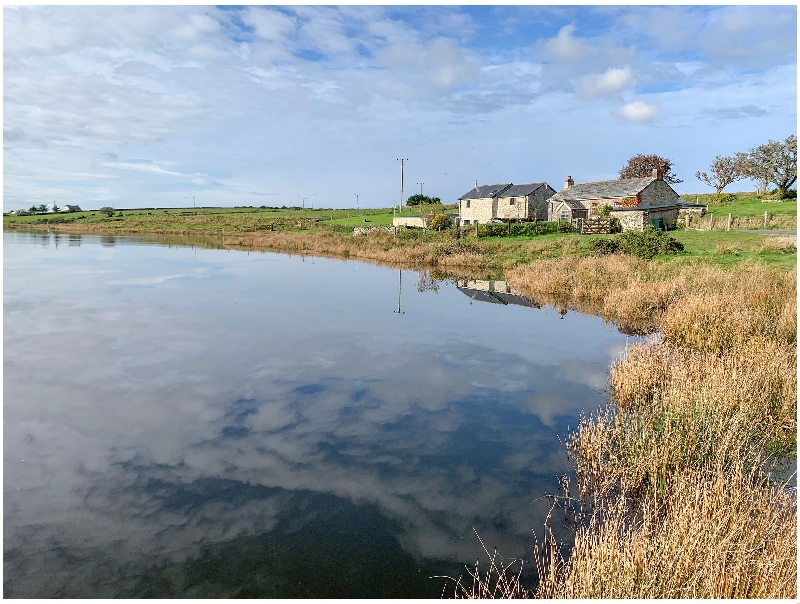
x=745 y=205
x=719 y=247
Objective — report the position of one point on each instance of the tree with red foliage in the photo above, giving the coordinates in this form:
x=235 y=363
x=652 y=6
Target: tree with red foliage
x=642 y=166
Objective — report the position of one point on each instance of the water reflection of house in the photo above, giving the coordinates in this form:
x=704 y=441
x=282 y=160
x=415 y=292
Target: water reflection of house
x=496 y=292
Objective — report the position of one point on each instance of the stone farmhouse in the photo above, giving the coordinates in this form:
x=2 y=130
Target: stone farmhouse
x=636 y=202
x=507 y=202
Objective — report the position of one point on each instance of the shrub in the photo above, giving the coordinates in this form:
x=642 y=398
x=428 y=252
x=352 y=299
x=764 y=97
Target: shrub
x=107 y=211
x=602 y=247
x=441 y=221
x=604 y=211
x=648 y=243
x=723 y=199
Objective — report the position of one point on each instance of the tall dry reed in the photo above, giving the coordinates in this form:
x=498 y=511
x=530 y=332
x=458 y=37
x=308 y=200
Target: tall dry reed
x=715 y=534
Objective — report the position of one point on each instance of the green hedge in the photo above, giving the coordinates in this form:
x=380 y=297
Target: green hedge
x=519 y=228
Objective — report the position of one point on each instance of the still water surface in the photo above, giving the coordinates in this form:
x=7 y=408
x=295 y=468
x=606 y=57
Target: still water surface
x=202 y=422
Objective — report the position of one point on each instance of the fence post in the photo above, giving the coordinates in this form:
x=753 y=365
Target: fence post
x=686 y=219
x=766 y=218
x=729 y=221
x=710 y=222
x=476 y=229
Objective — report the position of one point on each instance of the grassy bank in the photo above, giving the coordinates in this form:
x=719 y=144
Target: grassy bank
x=307 y=233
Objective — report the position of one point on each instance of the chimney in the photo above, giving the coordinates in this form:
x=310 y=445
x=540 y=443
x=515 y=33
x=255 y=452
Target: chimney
x=657 y=174
x=568 y=183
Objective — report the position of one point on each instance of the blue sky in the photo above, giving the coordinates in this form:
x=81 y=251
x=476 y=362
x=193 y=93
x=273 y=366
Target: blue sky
x=145 y=106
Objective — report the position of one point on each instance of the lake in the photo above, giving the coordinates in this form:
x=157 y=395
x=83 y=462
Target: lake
x=186 y=421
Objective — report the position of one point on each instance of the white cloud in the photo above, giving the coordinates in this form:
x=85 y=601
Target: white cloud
x=612 y=82
x=269 y=24
x=261 y=106
x=637 y=111
x=566 y=47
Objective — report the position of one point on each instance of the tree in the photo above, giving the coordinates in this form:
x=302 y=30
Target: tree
x=642 y=166
x=107 y=210
x=55 y=207
x=774 y=163
x=417 y=199
x=724 y=170
x=42 y=208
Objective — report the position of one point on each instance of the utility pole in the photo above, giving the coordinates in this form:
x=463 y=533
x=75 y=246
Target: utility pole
x=420 y=188
x=402 y=165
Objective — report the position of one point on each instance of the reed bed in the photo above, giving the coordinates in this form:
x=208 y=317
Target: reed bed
x=696 y=305
x=715 y=534
x=677 y=409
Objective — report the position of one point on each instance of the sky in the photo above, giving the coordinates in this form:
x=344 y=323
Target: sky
x=151 y=106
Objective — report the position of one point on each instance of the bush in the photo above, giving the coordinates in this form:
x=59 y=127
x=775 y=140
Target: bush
x=441 y=221
x=648 y=243
x=603 y=247
x=107 y=211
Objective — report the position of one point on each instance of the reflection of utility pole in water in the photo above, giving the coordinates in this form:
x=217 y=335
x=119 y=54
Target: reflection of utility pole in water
x=399 y=289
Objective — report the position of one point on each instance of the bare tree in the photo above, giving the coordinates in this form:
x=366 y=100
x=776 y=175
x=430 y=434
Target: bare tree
x=774 y=163
x=724 y=170
x=642 y=166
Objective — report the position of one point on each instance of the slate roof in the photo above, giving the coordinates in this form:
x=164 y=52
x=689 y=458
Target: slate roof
x=522 y=190
x=573 y=205
x=607 y=189
x=483 y=191
x=662 y=206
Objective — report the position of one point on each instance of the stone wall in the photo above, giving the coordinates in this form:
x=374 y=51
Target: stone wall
x=631 y=220
x=376 y=229
x=480 y=210
x=420 y=222
x=518 y=211
x=658 y=193
x=538 y=202
x=636 y=220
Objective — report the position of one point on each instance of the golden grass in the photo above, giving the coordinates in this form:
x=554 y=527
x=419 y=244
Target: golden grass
x=697 y=305
x=784 y=243
x=715 y=534
x=677 y=409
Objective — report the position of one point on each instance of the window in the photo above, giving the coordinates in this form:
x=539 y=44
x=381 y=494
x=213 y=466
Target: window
x=513 y=201
x=466 y=222
x=467 y=202
x=565 y=214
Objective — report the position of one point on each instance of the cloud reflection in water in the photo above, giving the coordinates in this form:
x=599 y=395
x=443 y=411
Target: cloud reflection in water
x=155 y=423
